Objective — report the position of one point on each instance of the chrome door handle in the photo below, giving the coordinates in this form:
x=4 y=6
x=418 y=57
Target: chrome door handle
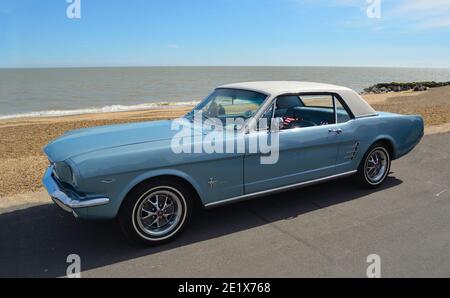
x=336 y=131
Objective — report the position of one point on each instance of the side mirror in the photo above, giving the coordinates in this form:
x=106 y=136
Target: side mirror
x=277 y=124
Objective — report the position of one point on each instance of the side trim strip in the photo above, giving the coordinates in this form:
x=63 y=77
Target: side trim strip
x=367 y=115
x=278 y=189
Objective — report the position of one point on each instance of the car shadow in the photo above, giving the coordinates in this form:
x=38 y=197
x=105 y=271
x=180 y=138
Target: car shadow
x=36 y=241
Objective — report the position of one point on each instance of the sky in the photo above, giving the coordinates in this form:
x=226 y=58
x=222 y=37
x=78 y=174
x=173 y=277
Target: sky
x=408 y=33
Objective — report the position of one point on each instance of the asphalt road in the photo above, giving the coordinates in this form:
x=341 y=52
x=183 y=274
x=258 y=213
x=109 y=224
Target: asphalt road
x=326 y=230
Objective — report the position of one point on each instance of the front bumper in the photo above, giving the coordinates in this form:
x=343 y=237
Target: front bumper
x=63 y=200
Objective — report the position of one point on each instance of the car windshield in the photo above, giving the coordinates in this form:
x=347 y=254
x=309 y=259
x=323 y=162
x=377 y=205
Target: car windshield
x=230 y=103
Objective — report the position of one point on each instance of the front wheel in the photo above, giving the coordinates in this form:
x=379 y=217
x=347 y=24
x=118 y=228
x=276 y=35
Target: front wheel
x=374 y=167
x=156 y=212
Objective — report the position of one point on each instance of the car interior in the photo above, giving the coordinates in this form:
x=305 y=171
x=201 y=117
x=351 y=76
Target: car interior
x=306 y=111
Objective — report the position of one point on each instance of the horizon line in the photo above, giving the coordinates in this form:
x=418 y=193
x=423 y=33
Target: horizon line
x=212 y=66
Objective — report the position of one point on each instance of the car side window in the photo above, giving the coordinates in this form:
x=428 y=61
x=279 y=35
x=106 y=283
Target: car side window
x=305 y=110
x=318 y=101
x=342 y=115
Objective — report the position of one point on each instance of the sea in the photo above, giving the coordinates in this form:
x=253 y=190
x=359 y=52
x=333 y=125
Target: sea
x=71 y=91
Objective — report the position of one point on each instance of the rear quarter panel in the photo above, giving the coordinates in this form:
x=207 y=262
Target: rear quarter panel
x=402 y=131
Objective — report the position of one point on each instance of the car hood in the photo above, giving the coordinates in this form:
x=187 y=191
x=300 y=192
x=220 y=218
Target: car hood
x=82 y=141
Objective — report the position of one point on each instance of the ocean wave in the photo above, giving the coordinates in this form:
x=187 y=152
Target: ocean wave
x=105 y=109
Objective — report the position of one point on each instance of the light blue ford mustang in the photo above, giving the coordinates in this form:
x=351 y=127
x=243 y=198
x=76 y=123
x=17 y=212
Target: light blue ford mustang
x=132 y=172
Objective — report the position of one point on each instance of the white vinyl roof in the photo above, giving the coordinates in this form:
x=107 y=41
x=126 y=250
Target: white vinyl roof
x=354 y=101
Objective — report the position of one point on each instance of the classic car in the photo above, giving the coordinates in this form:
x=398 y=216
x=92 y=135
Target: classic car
x=131 y=172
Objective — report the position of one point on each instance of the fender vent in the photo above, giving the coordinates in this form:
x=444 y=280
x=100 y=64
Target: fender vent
x=351 y=151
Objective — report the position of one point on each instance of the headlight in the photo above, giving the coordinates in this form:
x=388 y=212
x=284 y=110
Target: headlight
x=64 y=173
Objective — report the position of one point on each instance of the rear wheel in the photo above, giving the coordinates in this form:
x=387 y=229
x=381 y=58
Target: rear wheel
x=156 y=212
x=375 y=166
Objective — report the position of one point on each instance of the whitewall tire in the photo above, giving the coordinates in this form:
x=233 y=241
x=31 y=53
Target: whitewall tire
x=156 y=212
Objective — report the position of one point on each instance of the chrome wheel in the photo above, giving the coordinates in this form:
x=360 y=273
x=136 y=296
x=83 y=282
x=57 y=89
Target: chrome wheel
x=159 y=212
x=377 y=166
x=156 y=211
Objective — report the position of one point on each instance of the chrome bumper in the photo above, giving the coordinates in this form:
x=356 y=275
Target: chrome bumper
x=63 y=200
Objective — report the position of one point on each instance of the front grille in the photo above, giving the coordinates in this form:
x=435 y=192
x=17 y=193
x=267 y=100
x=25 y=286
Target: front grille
x=63 y=172
x=65 y=187
x=55 y=175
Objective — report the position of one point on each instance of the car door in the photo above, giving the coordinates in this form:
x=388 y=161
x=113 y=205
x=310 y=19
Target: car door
x=305 y=153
